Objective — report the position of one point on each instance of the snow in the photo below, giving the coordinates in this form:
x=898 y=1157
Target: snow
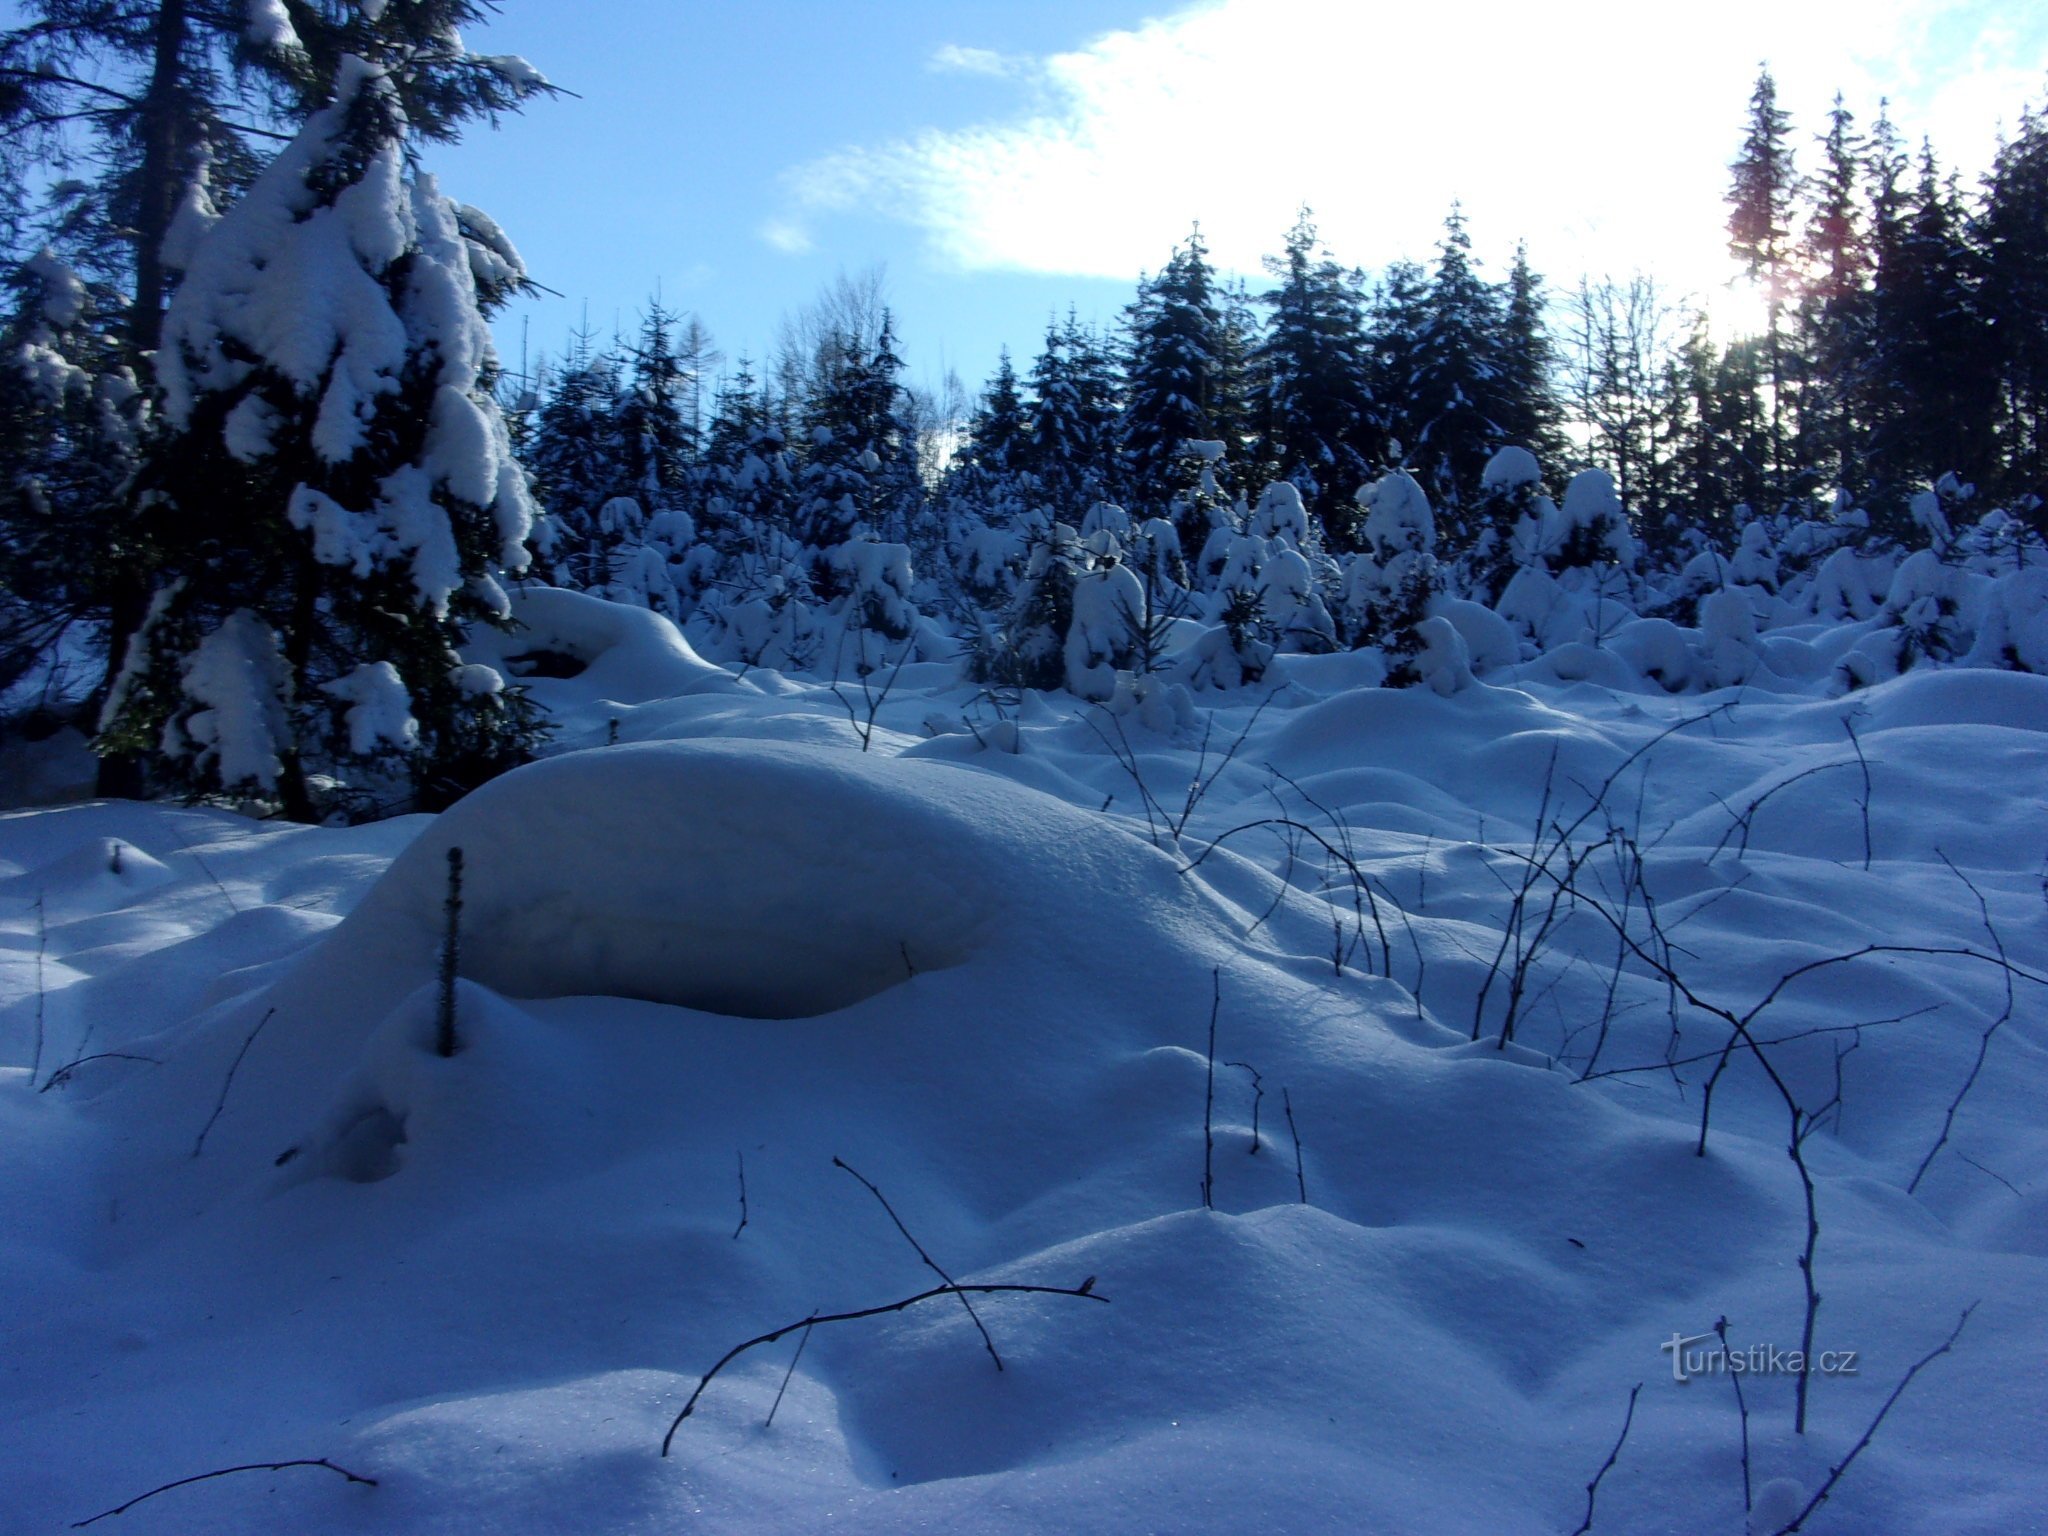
x=380 y=709
x=238 y=677
x=1509 y=468
x=971 y=957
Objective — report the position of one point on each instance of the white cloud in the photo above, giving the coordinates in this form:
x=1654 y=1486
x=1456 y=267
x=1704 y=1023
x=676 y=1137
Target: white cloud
x=952 y=59
x=788 y=237
x=1600 y=130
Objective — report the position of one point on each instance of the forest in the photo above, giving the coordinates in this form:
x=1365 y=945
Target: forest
x=812 y=513
x=1403 y=900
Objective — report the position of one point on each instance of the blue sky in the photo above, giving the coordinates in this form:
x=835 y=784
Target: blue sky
x=1005 y=159
x=673 y=167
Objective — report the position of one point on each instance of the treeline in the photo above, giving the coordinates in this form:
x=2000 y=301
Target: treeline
x=261 y=473
x=1903 y=340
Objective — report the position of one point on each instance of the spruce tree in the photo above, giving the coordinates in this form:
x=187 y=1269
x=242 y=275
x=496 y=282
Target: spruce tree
x=332 y=491
x=2014 y=233
x=164 y=90
x=1457 y=383
x=657 y=441
x=578 y=461
x=1831 y=305
x=1175 y=331
x=1315 y=405
x=1527 y=408
x=996 y=437
x=1759 y=234
x=1397 y=342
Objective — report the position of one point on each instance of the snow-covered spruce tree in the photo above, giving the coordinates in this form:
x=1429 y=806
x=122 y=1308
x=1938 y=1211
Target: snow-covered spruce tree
x=1457 y=382
x=1069 y=449
x=577 y=463
x=1314 y=407
x=1510 y=510
x=332 y=489
x=1175 y=334
x=1031 y=650
x=1388 y=588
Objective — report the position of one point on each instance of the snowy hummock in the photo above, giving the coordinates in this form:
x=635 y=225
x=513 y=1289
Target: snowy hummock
x=973 y=962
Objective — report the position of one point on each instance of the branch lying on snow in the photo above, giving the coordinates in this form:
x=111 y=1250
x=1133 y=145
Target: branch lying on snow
x=64 y=1073
x=258 y=1466
x=1085 y=1289
x=930 y=1263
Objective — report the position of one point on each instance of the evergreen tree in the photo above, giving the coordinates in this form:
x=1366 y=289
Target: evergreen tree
x=1397 y=342
x=1457 y=389
x=1316 y=417
x=2015 y=296
x=1830 y=318
x=1759 y=233
x=153 y=85
x=577 y=459
x=657 y=441
x=1175 y=333
x=859 y=474
x=1233 y=405
x=996 y=437
x=1527 y=407
x=70 y=416
x=333 y=488
x=1930 y=365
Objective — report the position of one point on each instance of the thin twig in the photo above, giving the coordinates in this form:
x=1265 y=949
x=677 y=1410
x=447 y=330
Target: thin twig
x=258 y=1466
x=451 y=941
x=1209 y=1095
x=742 y=1156
x=1863 y=762
x=42 y=944
x=1300 y=1179
x=930 y=1263
x=1834 y=1476
x=228 y=1082
x=1948 y=1120
x=816 y=1320
x=769 y=1422
x=1742 y=1408
x=64 y=1073
x=1593 y=1488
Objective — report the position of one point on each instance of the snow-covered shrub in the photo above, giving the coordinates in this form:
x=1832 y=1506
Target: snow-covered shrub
x=1728 y=654
x=2013 y=631
x=1592 y=527
x=1388 y=588
x=1106 y=631
x=1292 y=608
x=1280 y=516
x=1755 y=561
x=1441 y=661
x=1510 y=498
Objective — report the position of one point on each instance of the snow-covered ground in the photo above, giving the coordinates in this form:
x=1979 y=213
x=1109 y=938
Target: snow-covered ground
x=972 y=951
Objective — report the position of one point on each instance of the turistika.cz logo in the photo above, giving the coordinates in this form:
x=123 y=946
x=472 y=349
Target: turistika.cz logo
x=1757 y=1360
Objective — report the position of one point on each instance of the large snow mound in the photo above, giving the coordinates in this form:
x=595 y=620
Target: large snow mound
x=764 y=880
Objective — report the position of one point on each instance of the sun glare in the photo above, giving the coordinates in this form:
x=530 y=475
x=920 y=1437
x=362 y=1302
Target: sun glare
x=1735 y=309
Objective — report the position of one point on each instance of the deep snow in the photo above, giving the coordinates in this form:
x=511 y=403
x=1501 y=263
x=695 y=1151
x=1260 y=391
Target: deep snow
x=968 y=962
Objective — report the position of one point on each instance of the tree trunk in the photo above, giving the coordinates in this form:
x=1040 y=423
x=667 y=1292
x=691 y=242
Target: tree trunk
x=120 y=773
